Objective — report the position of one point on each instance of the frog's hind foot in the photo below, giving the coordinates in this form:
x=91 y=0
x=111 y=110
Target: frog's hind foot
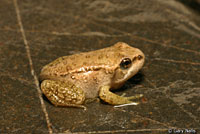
x=63 y=93
x=77 y=106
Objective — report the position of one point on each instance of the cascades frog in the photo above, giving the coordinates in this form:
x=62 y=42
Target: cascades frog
x=70 y=80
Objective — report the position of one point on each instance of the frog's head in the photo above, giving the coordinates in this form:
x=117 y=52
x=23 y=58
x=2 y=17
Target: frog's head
x=130 y=61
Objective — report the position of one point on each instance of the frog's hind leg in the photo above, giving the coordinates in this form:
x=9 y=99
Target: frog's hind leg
x=111 y=98
x=63 y=93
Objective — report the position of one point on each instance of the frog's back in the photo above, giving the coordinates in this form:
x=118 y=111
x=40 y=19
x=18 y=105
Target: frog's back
x=86 y=61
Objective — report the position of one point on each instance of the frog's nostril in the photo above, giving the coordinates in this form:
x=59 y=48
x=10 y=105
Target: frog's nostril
x=140 y=57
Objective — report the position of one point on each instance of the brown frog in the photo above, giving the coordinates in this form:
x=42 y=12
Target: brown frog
x=70 y=80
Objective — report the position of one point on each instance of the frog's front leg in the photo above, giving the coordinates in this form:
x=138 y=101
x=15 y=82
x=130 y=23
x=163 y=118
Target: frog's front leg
x=62 y=93
x=111 y=98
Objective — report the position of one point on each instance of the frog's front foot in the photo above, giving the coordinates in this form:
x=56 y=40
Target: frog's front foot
x=63 y=93
x=114 y=99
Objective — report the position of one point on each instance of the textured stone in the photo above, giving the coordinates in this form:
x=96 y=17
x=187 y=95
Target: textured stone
x=167 y=32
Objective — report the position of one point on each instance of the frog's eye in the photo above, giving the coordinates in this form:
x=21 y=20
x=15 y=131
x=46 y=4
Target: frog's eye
x=125 y=63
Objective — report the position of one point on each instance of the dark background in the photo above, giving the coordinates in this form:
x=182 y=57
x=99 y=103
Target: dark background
x=34 y=33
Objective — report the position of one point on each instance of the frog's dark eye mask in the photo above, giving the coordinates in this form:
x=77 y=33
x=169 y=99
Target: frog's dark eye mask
x=125 y=63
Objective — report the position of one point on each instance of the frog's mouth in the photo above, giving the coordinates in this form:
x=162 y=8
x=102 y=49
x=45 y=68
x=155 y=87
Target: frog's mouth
x=133 y=70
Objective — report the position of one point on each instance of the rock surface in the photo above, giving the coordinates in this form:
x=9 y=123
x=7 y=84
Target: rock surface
x=34 y=33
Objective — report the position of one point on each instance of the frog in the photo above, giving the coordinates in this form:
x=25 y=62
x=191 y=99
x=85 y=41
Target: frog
x=70 y=80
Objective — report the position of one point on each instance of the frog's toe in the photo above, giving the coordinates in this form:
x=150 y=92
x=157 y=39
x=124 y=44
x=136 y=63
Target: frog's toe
x=124 y=94
x=90 y=100
x=137 y=96
x=63 y=93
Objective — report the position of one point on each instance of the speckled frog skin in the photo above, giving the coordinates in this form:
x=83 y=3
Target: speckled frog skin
x=70 y=80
